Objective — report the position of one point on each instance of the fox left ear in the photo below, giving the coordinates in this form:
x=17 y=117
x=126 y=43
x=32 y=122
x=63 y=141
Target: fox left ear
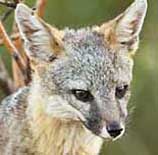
x=124 y=30
x=42 y=42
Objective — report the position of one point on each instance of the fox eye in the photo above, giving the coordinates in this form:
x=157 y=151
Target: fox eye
x=83 y=95
x=121 y=91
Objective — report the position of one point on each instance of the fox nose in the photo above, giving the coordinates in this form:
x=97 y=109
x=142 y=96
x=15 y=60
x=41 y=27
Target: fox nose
x=114 y=129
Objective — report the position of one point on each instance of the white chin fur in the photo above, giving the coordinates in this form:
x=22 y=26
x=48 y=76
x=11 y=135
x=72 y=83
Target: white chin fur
x=104 y=134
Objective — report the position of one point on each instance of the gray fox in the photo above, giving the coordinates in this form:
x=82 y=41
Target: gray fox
x=80 y=85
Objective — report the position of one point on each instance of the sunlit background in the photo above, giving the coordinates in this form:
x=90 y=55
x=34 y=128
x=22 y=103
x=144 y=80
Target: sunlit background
x=141 y=137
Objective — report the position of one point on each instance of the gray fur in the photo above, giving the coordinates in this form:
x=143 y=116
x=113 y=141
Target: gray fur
x=86 y=61
x=90 y=65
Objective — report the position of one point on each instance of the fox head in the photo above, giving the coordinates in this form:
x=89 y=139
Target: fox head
x=84 y=74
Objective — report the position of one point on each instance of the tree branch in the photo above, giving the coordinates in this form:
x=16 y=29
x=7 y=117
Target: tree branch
x=6 y=14
x=8 y=4
x=6 y=83
x=20 y=64
x=41 y=5
x=13 y=51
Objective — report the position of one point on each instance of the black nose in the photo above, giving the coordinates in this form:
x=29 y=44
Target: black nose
x=114 y=129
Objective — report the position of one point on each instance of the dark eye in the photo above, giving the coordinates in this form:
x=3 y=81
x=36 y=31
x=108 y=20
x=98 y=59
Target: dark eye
x=121 y=91
x=83 y=95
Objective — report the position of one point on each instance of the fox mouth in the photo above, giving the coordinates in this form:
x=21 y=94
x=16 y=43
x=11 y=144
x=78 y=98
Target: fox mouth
x=94 y=123
x=104 y=132
x=93 y=126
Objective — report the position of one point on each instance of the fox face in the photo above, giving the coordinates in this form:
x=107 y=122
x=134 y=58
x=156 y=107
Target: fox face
x=95 y=80
x=84 y=74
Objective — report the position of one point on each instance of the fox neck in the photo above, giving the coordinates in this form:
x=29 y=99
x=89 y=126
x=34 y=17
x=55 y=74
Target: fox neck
x=58 y=136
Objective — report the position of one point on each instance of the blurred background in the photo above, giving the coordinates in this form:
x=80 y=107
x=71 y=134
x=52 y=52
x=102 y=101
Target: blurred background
x=141 y=136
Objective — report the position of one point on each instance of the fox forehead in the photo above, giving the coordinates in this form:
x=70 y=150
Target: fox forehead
x=90 y=62
x=83 y=36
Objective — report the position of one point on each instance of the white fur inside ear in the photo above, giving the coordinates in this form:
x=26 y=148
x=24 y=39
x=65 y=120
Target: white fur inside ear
x=132 y=20
x=22 y=10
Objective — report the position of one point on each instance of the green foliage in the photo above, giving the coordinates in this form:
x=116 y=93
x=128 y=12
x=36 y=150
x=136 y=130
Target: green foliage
x=141 y=137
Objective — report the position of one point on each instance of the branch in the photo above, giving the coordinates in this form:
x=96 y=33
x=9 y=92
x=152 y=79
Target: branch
x=41 y=5
x=6 y=14
x=8 y=4
x=20 y=66
x=6 y=83
x=17 y=76
x=13 y=37
x=13 y=51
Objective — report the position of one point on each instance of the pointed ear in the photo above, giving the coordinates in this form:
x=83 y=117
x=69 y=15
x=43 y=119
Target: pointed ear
x=41 y=41
x=124 y=30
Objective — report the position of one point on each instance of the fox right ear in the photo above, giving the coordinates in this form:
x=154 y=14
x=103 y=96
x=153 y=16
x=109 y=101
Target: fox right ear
x=41 y=41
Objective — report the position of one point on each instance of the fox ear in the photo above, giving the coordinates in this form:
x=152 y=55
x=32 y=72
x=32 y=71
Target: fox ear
x=41 y=41
x=125 y=29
